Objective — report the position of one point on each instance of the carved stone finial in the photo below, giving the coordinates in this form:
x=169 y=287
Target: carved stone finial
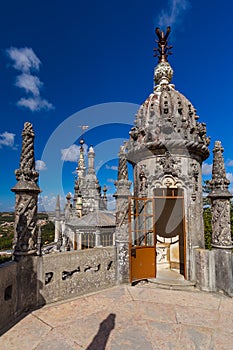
x=26 y=197
x=27 y=171
x=219 y=183
x=122 y=166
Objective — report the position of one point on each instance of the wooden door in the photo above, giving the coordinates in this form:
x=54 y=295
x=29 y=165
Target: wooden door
x=142 y=240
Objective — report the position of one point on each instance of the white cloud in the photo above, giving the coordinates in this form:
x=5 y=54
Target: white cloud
x=174 y=11
x=230 y=163
x=40 y=165
x=112 y=167
x=24 y=59
x=48 y=202
x=35 y=104
x=7 y=139
x=30 y=83
x=71 y=154
x=111 y=180
x=229 y=176
x=206 y=169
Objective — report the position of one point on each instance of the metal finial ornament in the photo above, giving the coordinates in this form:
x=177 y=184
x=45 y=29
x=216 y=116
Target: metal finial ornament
x=163 y=50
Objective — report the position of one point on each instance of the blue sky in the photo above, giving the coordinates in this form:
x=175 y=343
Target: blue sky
x=69 y=63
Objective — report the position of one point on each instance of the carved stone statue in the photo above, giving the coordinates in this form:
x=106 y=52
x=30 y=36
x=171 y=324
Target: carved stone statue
x=26 y=193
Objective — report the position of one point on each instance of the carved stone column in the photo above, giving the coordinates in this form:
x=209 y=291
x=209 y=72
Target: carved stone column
x=26 y=196
x=121 y=235
x=220 y=201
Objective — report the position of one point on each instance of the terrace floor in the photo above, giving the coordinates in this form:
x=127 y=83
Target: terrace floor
x=128 y=318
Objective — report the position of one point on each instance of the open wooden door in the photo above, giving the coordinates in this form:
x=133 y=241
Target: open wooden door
x=142 y=239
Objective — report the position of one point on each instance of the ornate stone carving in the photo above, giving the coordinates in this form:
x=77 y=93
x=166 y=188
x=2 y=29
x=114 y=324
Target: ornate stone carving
x=26 y=196
x=221 y=226
x=27 y=173
x=170 y=165
x=220 y=201
x=219 y=183
x=122 y=189
x=143 y=180
x=163 y=73
x=194 y=175
x=122 y=166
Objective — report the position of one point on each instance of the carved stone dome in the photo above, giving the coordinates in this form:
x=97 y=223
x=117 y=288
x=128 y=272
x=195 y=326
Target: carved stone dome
x=167 y=121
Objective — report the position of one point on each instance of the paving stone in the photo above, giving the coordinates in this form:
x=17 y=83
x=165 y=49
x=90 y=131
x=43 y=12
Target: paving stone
x=196 y=338
x=26 y=334
x=135 y=338
x=183 y=298
x=221 y=341
x=164 y=336
x=56 y=341
x=197 y=316
x=126 y=317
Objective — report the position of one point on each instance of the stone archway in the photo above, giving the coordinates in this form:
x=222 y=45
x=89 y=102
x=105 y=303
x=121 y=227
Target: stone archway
x=170 y=229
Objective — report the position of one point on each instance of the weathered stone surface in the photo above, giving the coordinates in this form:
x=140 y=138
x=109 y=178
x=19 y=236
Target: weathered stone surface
x=220 y=201
x=122 y=203
x=26 y=191
x=126 y=317
x=68 y=274
x=205 y=269
x=224 y=270
x=19 y=288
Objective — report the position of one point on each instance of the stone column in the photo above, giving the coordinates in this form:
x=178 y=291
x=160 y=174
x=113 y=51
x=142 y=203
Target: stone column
x=121 y=235
x=57 y=219
x=220 y=202
x=26 y=196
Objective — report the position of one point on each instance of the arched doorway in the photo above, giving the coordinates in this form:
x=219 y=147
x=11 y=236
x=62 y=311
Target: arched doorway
x=170 y=228
x=156 y=233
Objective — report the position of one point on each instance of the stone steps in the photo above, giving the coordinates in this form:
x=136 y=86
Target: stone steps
x=171 y=279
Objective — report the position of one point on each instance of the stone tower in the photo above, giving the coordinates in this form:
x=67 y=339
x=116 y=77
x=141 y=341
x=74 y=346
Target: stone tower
x=166 y=148
x=26 y=196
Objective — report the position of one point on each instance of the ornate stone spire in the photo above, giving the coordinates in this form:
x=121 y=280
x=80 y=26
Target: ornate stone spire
x=27 y=174
x=91 y=159
x=81 y=162
x=122 y=166
x=163 y=72
x=219 y=183
x=220 y=201
x=26 y=197
x=122 y=188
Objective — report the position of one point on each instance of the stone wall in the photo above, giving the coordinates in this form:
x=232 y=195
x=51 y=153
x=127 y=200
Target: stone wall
x=69 y=274
x=19 y=290
x=34 y=281
x=214 y=270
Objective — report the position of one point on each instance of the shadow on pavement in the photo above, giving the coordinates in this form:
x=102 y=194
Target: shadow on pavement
x=100 y=340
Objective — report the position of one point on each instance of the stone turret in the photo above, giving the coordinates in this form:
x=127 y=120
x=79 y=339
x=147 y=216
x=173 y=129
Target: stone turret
x=26 y=197
x=166 y=148
x=220 y=201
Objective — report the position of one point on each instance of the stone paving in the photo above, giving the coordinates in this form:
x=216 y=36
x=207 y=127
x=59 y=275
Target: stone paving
x=125 y=317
